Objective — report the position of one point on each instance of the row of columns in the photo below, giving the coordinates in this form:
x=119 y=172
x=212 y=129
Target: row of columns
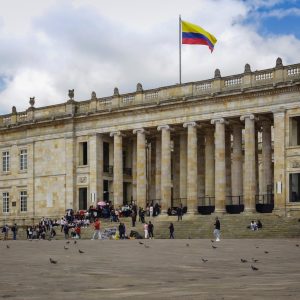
x=220 y=163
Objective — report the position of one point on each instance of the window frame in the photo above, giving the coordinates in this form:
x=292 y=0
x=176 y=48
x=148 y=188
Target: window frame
x=5 y=202
x=5 y=161
x=23 y=201
x=23 y=160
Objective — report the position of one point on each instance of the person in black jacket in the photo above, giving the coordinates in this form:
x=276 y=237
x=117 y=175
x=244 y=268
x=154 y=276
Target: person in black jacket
x=150 y=230
x=171 y=228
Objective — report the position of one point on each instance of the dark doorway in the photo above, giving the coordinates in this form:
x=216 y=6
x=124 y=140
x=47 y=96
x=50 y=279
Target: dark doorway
x=82 y=198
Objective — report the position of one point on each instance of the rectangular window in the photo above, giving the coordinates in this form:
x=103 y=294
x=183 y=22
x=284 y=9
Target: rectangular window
x=294 y=187
x=83 y=153
x=5 y=161
x=23 y=201
x=295 y=131
x=5 y=197
x=23 y=160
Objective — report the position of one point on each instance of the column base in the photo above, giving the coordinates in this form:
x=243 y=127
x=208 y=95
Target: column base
x=219 y=212
x=249 y=211
x=281 y=212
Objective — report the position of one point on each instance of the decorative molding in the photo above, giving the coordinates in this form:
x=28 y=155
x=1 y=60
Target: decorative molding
x=295 y=164
x=250 y=116
x=219 y=120
x=117 y=133
x=161 y=127
x=140 y=130
x=190 y=124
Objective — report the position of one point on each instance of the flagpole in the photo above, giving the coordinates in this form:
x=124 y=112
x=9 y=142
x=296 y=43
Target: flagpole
x=179 y=49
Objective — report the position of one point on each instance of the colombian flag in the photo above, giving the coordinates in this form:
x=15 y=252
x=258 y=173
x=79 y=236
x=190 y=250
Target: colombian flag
x=195 y=35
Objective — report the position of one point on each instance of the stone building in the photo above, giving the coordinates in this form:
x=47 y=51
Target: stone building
x=226 y=144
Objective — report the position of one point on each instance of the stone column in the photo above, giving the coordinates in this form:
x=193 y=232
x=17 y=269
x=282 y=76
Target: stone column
x=220 y=166
x=176 y=169
x=183 y=165
x=165 y=167
x=249 y=179
x=118 y=169
x=228 y=161
x=134 y=170
x=237 y=164
x=266 y=156
x=209 y=163
x=96 y=168
x=192 y=171
x=279 y=160
x=158 y=168
x=201 y=164
x=141 y=189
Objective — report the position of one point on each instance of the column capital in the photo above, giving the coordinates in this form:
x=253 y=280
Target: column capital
x=190 y=124
x=117 y=133
x=139 y=130
x=279 y=111
x=166 y=127
x=250 y=116
x=218 y=120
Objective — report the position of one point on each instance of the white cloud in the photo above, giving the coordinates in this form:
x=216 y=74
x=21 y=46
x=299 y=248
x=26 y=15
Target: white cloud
x=96 y=45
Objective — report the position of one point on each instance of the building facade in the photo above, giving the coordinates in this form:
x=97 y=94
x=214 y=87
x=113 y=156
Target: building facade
x=226 y=144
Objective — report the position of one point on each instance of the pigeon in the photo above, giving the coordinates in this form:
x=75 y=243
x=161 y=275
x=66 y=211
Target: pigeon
x=7 y=246
x=255 y=260
x=254 y=268
x=75 y=242
x=80 y=251
x=212 y=241
x=266 y=252
x=66 y=248
x=214 y=247
x=204 y=260
x=256 y=247
x=52 y=261
x=67 y=242
x=243 y=260
x=297 y=245
x=146 y=246
x=141 y=243
x=187 y=245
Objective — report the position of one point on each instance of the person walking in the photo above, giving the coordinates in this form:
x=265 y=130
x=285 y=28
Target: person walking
x=217 y=229
x=133 y=218
x=97 y=233
x=171 y=228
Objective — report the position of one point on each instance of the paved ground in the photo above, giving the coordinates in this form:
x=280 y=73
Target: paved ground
x=165 y=269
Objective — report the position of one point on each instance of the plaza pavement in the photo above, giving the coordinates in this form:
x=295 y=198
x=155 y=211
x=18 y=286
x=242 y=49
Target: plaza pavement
x=163 y=269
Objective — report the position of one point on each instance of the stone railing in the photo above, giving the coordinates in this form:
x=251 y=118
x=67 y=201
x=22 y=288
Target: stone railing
x=217 y=85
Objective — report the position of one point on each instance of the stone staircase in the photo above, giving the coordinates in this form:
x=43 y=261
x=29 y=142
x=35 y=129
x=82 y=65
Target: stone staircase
x=200 y=226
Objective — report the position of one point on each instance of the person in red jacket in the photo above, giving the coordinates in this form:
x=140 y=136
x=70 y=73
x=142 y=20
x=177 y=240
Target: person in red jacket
x=97 y=233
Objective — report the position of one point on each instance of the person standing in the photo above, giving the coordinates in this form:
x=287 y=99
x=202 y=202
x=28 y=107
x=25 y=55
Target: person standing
x=179 y=212
x=133 y=218
x=217 y=229
x=171 y=228
x=97 y=233
x=150 y=230
x=14 y=230
x=66 y=231
x=146 y=230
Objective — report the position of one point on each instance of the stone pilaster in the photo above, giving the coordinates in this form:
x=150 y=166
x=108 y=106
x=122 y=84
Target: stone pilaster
x=209 y=163
x=70 y=174
x=279 y=160
x=266 y=156
x=192 y=171
x=118 y=168
x=237 y=163
x=249 y=179
x=141 y=189
x=165 y=167
x=220 y=166
x=183 y=165
x=96 y=168
x=158 y=168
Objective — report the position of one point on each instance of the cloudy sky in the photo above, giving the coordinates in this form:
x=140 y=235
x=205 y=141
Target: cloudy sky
x=50 y=46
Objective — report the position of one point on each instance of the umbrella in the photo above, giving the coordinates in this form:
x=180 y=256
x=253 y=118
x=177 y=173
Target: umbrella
x=101 y=203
